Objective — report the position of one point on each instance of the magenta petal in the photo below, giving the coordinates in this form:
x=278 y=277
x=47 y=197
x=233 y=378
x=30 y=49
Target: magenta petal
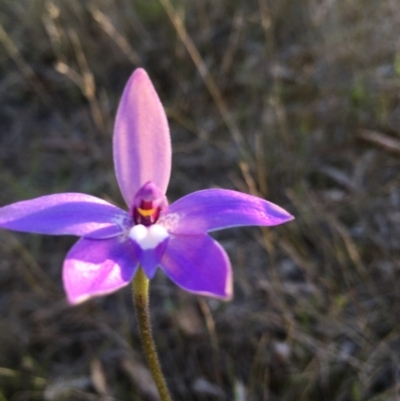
x=214 y=209
x=142 y=144
x=97 y=267
x=198 y=264
x=67 y=214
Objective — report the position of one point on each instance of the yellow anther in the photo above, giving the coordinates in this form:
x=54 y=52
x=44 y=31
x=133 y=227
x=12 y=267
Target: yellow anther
x=146 y=212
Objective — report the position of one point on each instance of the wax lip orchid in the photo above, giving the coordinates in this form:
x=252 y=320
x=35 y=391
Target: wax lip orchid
x=151 y=234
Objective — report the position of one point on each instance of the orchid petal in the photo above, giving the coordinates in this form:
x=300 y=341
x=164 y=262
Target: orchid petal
x=149 y=259
x=198 y=264
x=65 y=214
x=97 y=267
x=142 y=144
x=214 y=209
x=149 y=246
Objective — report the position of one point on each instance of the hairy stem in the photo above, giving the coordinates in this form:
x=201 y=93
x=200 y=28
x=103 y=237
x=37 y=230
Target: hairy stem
x=141 y=301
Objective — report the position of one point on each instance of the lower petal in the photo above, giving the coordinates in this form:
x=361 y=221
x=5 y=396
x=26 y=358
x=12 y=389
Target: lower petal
x=198 y=264
x=149 y=244
x=97 y=267
x=149 y=259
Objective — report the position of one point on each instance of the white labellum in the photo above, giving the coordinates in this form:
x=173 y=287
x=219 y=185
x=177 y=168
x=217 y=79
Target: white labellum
x=148 y=237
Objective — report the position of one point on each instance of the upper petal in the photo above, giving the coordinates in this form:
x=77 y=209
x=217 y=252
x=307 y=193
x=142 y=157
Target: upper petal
x=96 y=267
x=68 y=214
x=213 y=209
x=198 y=264
x=142 y=144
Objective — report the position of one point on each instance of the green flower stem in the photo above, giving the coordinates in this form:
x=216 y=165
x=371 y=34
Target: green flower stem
x=141 y=299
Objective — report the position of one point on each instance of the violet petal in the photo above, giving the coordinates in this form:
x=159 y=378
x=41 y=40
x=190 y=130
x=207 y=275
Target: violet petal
x=198 y=264
x=65 y=214
x=142 y=144
x=214 y=209
x=149 y=244
x=97 y=267
x=149 y=259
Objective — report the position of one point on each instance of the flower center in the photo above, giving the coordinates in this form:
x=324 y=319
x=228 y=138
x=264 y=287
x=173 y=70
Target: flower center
x=148 y=204
x=146 y=214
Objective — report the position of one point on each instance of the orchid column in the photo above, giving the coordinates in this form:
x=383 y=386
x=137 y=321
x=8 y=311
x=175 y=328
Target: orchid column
x=117 y=246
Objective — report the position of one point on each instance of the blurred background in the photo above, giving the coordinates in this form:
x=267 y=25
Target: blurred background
x=294 y=101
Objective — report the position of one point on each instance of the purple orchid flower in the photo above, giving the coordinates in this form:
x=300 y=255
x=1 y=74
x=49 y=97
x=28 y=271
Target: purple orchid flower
x=152 y=234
